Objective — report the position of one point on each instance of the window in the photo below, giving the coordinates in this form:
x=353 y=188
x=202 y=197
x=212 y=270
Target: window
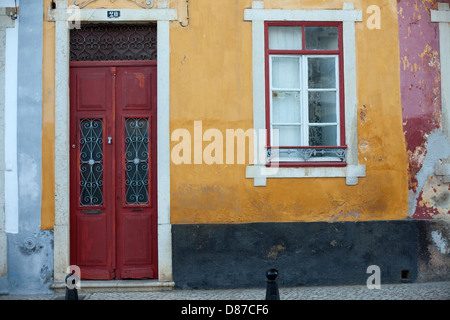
x=338 y=152
x=304 y=94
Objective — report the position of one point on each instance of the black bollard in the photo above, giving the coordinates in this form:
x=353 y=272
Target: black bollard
x=272 y=286
x=71 y=294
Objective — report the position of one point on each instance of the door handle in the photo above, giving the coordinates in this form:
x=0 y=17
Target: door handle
x=109 y=140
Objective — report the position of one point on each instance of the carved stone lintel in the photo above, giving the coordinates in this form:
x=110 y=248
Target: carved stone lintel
x=146 y=4
x=83 y=4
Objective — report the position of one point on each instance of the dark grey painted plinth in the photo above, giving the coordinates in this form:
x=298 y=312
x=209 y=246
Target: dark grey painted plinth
x=305 y=254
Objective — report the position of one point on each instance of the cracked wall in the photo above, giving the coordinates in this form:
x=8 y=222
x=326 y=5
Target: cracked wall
x=427 y=145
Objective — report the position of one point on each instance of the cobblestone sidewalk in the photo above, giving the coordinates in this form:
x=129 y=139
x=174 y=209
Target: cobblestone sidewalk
x=407 y=291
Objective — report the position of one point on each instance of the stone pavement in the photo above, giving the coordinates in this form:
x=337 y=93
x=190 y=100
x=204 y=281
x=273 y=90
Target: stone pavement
x=404 y=291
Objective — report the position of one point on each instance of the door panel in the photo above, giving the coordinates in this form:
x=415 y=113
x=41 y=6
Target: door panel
x=136 y=184
x=91 y=235
x=93 y=90
x=91 y=203
x=141 y=225
x=113 y=169
x=136 y=83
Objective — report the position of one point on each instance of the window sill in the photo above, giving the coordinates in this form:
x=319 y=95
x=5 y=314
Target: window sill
x=260 y=173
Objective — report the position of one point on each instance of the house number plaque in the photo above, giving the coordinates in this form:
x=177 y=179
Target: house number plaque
x=113 y=13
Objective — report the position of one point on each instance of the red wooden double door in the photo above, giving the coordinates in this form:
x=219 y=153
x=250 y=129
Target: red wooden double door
x=113 y=219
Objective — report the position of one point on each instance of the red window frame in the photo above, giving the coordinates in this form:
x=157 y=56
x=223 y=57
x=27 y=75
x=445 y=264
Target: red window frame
x=303 y=51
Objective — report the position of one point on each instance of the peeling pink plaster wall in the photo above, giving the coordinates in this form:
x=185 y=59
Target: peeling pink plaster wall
x=421 y=105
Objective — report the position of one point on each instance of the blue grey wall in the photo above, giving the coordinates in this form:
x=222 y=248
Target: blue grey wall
x=30 y=252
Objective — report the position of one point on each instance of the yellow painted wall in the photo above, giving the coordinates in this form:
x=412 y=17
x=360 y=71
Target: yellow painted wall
x=211 y=81
x=48 y=123
x=48 y=101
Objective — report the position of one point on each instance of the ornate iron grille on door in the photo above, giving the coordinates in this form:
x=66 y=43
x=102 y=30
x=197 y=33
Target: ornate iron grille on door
x=107 y=42
x=91 y=162
x=136 y=160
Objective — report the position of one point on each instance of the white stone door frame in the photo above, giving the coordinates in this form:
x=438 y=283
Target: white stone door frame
x=61 y=15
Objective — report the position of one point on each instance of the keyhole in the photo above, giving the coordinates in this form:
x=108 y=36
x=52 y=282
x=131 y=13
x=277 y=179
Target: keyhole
x=109 y=140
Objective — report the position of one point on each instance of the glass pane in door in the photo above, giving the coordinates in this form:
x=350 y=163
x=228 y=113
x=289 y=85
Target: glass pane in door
x=136 y=161
x=91 y=162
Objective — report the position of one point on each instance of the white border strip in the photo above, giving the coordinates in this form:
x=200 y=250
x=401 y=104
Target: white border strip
x=126 y=15
x=5 y=22
x=301 y=15
x=11 y=178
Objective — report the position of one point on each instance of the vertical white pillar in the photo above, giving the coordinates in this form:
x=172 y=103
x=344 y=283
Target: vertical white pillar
x=163 y=94
x=62 y=169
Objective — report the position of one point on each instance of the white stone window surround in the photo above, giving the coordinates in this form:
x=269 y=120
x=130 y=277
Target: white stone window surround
x=162 y=15
x=348 y=16
x=442 y=16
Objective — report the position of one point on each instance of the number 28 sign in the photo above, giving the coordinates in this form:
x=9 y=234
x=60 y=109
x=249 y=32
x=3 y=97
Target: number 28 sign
x=113 y=13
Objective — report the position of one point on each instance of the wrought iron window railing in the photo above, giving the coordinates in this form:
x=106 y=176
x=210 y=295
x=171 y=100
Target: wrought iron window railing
x=306 y=154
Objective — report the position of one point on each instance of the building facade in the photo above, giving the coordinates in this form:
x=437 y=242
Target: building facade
x=198 y=143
